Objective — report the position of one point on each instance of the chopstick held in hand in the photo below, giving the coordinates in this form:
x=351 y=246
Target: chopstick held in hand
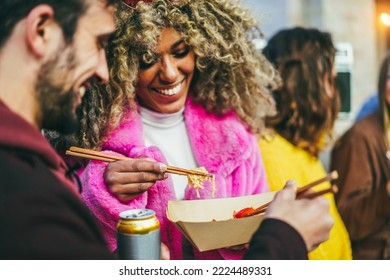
x=302 y=192
x=101 y=156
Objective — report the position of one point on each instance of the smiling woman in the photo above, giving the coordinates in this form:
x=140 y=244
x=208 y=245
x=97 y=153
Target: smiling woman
x=181 y=72
x=163 y=82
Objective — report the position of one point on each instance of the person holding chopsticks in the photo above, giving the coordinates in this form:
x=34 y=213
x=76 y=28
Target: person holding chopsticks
x=307 y=103
x=41 y=214
x=187 y=88
x=291 y=227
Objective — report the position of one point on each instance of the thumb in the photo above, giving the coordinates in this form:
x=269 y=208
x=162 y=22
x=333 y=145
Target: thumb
x=289 y=191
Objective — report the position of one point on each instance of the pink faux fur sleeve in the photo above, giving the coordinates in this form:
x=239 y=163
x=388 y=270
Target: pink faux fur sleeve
x=107 y=208
x=102 y=203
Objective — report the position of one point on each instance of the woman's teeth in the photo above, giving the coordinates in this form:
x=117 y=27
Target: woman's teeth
x=171 y=91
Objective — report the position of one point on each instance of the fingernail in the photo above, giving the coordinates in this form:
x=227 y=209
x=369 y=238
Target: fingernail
x=290 y=182
x=162 y=167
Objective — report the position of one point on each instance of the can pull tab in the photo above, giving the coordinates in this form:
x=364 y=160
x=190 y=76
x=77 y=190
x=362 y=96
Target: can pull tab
x=139 y=214
x=136 y=214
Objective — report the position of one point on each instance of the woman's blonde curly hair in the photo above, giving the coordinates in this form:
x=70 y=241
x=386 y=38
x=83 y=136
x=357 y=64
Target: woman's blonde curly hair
x=230 y=74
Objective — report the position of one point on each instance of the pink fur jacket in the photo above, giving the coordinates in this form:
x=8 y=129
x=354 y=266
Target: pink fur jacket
x=221 y=144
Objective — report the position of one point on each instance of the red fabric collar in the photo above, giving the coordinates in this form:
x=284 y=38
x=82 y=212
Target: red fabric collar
x=17 y=133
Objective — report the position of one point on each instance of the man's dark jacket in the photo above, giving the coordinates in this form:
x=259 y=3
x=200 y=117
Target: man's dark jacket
x=41 y=214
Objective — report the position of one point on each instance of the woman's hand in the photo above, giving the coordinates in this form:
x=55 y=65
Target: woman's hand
x=127 y=179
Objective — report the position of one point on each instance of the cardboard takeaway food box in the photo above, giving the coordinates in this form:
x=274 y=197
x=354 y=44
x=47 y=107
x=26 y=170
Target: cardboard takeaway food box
x=195 y=220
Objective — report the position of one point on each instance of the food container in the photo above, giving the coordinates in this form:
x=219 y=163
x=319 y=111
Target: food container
x=209 y=224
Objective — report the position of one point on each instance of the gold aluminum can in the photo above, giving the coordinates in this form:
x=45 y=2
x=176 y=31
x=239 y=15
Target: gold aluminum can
x=138 y=235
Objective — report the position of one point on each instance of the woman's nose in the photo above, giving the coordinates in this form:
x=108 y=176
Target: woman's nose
x=169 y=70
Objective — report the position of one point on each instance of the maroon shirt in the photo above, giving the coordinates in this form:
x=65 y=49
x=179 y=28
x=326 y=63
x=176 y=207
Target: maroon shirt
x=41 y=214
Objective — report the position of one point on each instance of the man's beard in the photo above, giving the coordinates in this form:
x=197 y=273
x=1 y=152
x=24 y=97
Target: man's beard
x=56 y=98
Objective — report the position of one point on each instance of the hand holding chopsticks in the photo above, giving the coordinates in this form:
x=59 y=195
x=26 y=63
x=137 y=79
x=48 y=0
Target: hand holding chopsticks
x=302 y=192
x=311 y=218
x=105 y=157
x=127 y=178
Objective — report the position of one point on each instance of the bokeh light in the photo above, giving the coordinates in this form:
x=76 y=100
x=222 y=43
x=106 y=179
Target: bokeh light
x=385 y=18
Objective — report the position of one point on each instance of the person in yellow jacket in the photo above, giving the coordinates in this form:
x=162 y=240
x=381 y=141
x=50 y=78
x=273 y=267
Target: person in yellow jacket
x=307 y=104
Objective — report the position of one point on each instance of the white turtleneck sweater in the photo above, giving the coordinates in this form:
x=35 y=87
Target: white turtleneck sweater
x=168 y=133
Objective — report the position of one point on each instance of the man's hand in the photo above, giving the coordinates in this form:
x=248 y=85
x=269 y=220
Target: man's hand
x=310 y=217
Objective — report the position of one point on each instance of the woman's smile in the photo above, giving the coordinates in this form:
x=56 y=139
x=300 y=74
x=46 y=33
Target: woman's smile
x=164 y=82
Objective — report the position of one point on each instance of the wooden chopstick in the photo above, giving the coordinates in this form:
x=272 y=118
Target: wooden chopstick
x=108 y=157
x=333 y=189
x=105 y=157
x=77 y=154
x=330 y=177
x=300 y=192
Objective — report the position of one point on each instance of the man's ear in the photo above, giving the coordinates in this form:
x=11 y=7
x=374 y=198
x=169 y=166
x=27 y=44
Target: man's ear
x=40 y=27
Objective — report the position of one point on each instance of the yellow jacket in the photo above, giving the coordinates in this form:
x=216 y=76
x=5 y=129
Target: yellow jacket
x=284 y=161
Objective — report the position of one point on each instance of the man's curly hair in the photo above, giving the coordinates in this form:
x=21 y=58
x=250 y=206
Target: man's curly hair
x=306 y=114
x=230 y=74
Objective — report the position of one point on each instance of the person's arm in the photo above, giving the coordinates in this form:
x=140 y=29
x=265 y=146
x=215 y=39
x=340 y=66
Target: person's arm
x=275 y=240
x=291 y=227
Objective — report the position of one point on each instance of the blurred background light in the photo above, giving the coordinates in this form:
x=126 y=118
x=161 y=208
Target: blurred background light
x=385 y=18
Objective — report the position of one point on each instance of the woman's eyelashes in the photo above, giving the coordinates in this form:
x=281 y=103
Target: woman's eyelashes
x=182 y=52
x=147 y=62
x=146 y=65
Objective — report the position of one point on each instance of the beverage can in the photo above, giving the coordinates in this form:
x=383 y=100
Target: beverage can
x=138 y=235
